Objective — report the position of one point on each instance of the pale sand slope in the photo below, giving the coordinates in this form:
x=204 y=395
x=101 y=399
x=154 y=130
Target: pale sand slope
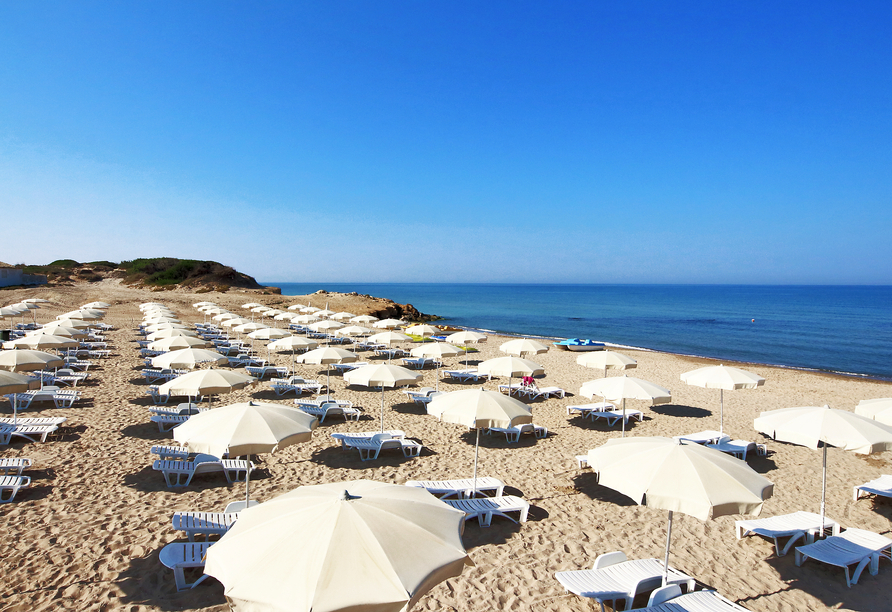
x=86 y=535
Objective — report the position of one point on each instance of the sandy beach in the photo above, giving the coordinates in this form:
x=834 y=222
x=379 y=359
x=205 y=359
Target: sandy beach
x=86 y=534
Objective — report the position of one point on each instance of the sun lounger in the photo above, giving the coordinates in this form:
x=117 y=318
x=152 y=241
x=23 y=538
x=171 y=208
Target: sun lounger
x=484 y=508
x=585 y=409
x=347 y=439
x=153 y=375
x=422 y=396
x=263 y=371
x=371 y=448
x=514 y=389
x=170 y=452
x=295 y=383
x=739 y=448
x=670 y=599
x=851 y=547
x=166 y=422
x=418 y=362
x=881 y=486
x=184 y=409
x=466 y=374
x=208 y=523
x=62 y=398
x=463 y=487
x=78 y=364
x=615 y=416
x=340 y=368
x=345 y=409
x=794 y=526
x=513 y=433
x=615 y=578
x=29 y=432
x=201 y=464
x=14 y=466
x=33 y=421
x=704 y=437
x=10 y=485
x=182 y=555
x=582 y=461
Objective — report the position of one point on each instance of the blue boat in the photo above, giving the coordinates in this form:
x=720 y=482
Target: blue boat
x=578 y=344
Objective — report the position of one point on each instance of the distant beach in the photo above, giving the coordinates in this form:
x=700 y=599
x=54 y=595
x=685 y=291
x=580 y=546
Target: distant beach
x=836 y=329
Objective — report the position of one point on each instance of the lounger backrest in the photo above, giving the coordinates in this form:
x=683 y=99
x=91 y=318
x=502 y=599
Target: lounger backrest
x=611 y=558
x=378 y=438
x=663 y=594
x=202 y=458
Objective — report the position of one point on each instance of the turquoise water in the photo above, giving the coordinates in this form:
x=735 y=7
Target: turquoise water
x=844 y=329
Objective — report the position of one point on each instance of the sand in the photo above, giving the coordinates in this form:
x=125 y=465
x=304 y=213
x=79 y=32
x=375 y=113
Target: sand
x=86 y=534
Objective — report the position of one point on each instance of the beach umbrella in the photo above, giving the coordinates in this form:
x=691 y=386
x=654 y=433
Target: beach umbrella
x=305 y=319
x=75 y=323
x=169 y=333
x=200 y=304
x=58 y=330
x=812 y=426
x=269 y=333
x=425 y=331
x=465 y=337
x=381 y=375
x=293 y=344
x=295 y=307
x=250 y=305
x=247 y=328
x=271 y=313
x=512 y=367
x=236 y=322
x=876 y=409
x=100 y=305
x=325 y=312
x=260 y=308
x=363 y=319
x=176 y=343
x=188 y=358
x=523 y=346
x=145 y=305
x=10 y=383
x=342 y=316
x=722 y=378
x=310 y=309
x=206 y=382
x=245 y=429
x=86 y=315
x=285 y=316
x=389 y=338
x=165 y=325
x=23 y=360
x=327 y=355
x=623 y=388
x=353 y=330
x=324 y=326
x=342 y=546
x=226 y=316
x=42 y=343
x=606 y=360
x=437 y=351
x=388 y=324
x=670 y=475
x=479 y=409
x=36 y=301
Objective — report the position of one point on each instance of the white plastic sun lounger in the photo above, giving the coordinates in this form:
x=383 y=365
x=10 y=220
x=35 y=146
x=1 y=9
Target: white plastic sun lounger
x=29 y=432
x=615 y=578
x=345 y=409
x=513 y=433
x=484 y=508
x=181 y=555
x=535 y=392
x=796 y=525
x=466 y=374
x=462 y=487
x=184 y=409
x=202 y=464
x=739 y=448
x=170 y=452
x=295 y=383
x=166 y=422
x=670 y=599
x=347 y=439
x=881 y=486
x=851 y=547
x=371 y=448
x=10 y=485
x=33 y=421
x=208 y=523
x=14 y=466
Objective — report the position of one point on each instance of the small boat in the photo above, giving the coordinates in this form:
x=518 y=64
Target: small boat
x=577 y=344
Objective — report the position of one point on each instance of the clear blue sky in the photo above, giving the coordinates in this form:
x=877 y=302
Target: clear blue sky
x=592 y=142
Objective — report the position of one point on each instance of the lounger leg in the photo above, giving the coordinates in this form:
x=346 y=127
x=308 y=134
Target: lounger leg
x=809 y=538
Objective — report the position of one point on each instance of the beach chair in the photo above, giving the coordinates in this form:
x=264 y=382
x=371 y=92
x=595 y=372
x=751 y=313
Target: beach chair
x=465 y=375
x=166 y=422
x=14 y=466
x=615 y=578
x=343 y=408
x=78 y=364
x=414 y=394
x=295 y=383
x=29 y=432
x=739 y=448
x=262 y=371
x=418 y=362
x=463 y=487
x=184 y=409
x=615 y=416
x=535 y=392
x=513 y=433
x=513 y=389
x=33 y=421
x=881 y=486
x=584 y=410
x=10 y=485
x=484 y=508
x=794 y=526
x=179 y=556
x=371 y=448
x=670 y=599
x=175 y=471
x=851 y=547
x=208 y=523
x=62 y=398
x=347 y=439
x=340 y=368
x=170 y=452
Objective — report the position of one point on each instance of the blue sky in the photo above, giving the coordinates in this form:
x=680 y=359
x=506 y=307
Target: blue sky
x=591 y=142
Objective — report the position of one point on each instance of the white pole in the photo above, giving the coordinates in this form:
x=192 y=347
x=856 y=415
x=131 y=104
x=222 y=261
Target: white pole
x=624 y=417
x=721 y=411
x=666 y=558
x=476 y=453
x=248 y=483
x=382 y=408
x=823 y=488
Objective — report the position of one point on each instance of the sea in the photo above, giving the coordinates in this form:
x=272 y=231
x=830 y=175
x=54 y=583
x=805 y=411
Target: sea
x=839 y=329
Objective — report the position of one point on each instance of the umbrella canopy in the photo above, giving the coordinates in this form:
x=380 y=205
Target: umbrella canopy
x=58 y=330
x=388 y=324
x=323 y=326
x=269 y=333
x=389 y=338
x=512 y=367
x=722 y=378
x=667 y=474
x=424 y=331
x=226 y=316
x=170 y=333
x=176 y=343
x=75 y=323
x=206 y=382
x=876 y=409
x=285 y=316
x=245 y=429
x=36 y=301
x=479 y=409
x=260 y=308
x=292 y=343
x=353 y=330
x=364 y=319
x=100 y=305
x=304 y=319
x=436 y=350
x=188 y=358
x=86 y=315
x=606 y=360
x=42 y=342
x=164 y=325
x=247 y=328
x=623 y=388
x=327 y=355
x=310 y=309
x=381 y=375
x=236 y=322
x=465 y=337
x=358 y=545
x=342 y=316
x=523 y=346
x=811 y=426
x=295 y=307
x=27 y=361
x=10 y=383
x=200 y=304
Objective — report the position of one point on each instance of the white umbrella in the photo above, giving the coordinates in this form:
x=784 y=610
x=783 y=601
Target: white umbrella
x=342 y=316
x=200 y=304
x=389 y=338
x=188 y=358
x=425 y=331
x=327 y=355
x=465 y=337
x=176 y=343
x=623 y=388
x=269 y=333
x=310 y=309
x=28 y=361
x=512 y=367
x=379 y=375
x=10 y=383
x=247 y=328
x=325 y=313
x=159 y=326
x=206 y=382
x=357 y=546
x=479 y=408
x=667 y=474
x=169 y=333
x=437 y=351
x=236 y=322
x=388 y=324
x=811 y=426
x=606 y=360
x=293 y=344
x=245 y=429
x=75 y=323
x=523 y=346
x=364 y=319
x=324 y=326
x=722 y=378
x=285 y=316
x=42 y=343
x=226 y=316
x=295 y=307
x=250 y=305
x=304 y=319
x=876 y=409
x=58 y=330
x=100 y=305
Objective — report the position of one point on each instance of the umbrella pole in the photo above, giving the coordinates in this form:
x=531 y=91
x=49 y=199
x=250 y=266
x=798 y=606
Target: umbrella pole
x=823 y=488
x=476 y=453
x=666 y=558
x=438 y=376
x=248 y=483
x=15 y=409
x=382 y=408
x=624 y=418
x=721 y=411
